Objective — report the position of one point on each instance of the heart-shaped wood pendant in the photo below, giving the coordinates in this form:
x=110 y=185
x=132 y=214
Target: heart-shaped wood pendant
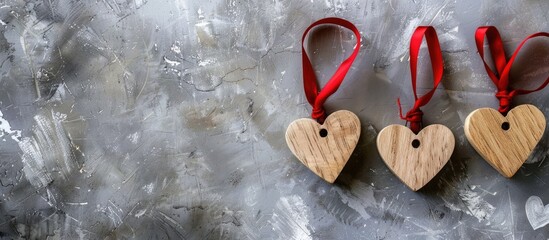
x=415 y=159
x=505 y=142
x=326 y=148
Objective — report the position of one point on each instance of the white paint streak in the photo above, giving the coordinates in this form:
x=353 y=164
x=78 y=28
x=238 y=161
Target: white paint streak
x=297 y=214
x=48 y=151
x=148 y=188
x=172 y=63
x=6 y=130
x=477 y=207
x=357 y=203
x=134 y=137
x=81 y=234
x=205 y=33
x=140 y=213
x=401 y=45
x=175 y=47
x=200 y=13
x=77 y=203
x=139 y=3
x=251 y=198
x=59 y=94
x=206 y=62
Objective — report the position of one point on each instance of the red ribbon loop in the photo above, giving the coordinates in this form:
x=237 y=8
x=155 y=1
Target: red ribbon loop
x=500 y=77
x=414 y=116
x=315 y=97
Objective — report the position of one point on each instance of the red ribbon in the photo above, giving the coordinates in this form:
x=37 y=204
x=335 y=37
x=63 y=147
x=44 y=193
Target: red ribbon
x=414 y=116
x=501 y=77
x=315 y=97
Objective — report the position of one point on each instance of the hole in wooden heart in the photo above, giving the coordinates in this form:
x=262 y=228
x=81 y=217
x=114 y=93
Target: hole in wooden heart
x=505 y=126
x=415 y=143
x=323 y=132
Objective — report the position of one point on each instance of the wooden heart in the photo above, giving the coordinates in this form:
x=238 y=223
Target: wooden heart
x=505 y=142
x=324 y=148
x=415 y=159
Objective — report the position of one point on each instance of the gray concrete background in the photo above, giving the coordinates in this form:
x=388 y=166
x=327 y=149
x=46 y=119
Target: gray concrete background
x=166 y=119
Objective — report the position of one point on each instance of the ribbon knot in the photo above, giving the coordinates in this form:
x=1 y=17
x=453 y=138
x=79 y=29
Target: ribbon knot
x=414 y=117
x=505 y=98
x=319 y=114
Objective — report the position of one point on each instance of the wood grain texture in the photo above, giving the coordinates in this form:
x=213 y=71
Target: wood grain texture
x=415 y=166
x=325 y=156
x=505 y=150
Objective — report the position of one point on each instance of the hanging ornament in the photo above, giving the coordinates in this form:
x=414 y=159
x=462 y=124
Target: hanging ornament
x=414 y=154
x=506 y=137
x=325 y=143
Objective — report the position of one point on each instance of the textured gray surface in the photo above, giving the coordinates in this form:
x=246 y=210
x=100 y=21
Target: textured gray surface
x=166 y=119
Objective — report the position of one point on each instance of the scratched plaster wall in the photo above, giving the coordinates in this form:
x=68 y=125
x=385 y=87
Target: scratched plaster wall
x=166 y=119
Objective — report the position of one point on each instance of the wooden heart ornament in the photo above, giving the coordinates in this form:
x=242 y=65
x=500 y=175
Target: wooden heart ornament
x=324 y=148
x=415 y=159
x=505 y=142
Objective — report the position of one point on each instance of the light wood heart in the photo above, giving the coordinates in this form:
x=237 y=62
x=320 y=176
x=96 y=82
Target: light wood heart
x=415 y=159
x=326 y=148
x=505 y=150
